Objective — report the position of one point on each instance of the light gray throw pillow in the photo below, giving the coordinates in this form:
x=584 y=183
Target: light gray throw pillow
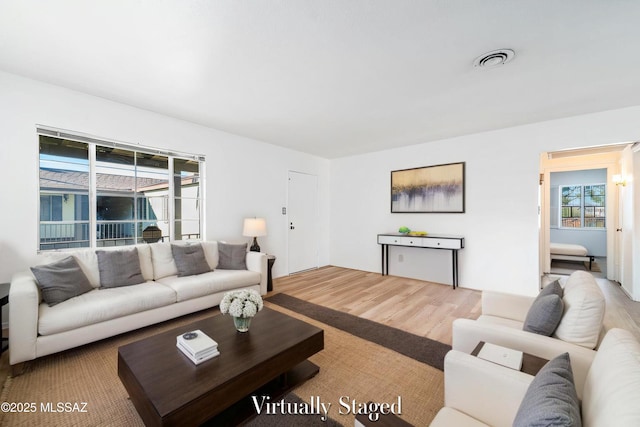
x=61 y=280
x=232 y=257
x=119 y=268
x=190 y=259
x=551 y=399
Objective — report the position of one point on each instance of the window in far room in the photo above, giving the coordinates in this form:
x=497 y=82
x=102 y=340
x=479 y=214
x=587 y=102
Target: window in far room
x=97 y=193
x=583 y=206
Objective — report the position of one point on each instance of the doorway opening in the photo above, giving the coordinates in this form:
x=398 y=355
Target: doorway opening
x=580 y=207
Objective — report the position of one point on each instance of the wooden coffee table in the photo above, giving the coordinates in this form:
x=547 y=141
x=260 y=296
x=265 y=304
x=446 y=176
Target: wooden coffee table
x=166 y=388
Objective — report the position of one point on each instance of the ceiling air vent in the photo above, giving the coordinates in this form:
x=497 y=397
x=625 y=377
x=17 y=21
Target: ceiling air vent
x=494 y=58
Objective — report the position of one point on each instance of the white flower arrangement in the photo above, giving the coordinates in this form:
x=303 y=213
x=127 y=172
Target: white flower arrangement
x=243 y=303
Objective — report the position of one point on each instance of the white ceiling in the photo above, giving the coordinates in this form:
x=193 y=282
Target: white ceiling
x=334 y=77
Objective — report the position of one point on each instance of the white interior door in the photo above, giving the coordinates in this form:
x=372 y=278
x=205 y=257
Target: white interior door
x=302 y=217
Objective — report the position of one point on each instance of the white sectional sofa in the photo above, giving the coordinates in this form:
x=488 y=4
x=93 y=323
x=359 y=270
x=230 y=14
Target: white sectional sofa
x=37 y=329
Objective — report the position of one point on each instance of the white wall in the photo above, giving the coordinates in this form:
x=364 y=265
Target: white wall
x=249 y=178
x=244 y=177
x=500 y=225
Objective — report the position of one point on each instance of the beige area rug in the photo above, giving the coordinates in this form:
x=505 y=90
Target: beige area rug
x=350 y=369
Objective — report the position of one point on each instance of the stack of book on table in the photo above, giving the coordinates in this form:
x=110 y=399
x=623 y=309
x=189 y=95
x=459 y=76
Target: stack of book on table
x=197 y=346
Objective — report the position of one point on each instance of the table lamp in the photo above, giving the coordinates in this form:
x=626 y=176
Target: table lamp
x=254 y=227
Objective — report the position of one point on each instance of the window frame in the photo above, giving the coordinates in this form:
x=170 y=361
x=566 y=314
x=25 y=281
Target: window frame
x=170 y=203
x=582 y=207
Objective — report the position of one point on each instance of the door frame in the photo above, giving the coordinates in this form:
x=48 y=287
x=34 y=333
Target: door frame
x=288 y=222
x=593 y=160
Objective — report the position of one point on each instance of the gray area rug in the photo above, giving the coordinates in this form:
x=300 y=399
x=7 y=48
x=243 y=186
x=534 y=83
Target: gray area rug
x=422 y=349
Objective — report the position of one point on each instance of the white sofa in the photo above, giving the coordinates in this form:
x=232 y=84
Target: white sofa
x=481 y=393
x=503 y=315
x=37 y=329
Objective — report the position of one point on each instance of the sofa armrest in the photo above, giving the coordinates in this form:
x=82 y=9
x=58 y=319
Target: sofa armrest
x=509 y=306
x=257 y=261
x=467 y=377
x=468 y=333
x=24 y=302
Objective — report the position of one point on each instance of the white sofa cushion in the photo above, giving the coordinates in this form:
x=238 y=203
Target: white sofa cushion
x=502 y=321
x=162 y=260
x=612 y=388
x=102 y=304
x=211 y=253
x=189 y=287
x=584 y=307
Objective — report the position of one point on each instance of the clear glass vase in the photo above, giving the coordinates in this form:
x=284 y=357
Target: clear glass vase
x=242 y=323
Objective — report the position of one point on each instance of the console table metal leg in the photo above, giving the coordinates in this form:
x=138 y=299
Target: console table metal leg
x=385 y=260
x=454 y=259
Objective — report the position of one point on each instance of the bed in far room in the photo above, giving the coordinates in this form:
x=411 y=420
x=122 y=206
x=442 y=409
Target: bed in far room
x=570 y=252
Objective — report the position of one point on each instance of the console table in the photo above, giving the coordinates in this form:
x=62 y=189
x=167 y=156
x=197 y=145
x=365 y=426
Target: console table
x=430 y=241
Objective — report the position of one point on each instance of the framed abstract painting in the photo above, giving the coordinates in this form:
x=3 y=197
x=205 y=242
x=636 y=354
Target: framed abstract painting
x=429 y=189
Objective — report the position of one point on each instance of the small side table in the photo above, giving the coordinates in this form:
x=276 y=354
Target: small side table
x=4 y=300
x=530 y=364
x=271 y=259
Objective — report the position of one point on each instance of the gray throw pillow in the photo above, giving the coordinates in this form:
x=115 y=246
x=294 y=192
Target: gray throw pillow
x=190 y=259
x=232 y=257
x=119 y=268
x=61 y=280
x=551 y=399
x=544 y=315
x=552 y=288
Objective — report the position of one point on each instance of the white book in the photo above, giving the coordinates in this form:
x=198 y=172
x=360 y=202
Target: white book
x=197 y=360
x=501 y=355
x=200 y=354
x=197 y=343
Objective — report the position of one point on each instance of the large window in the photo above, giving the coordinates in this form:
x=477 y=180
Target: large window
x=98 y=193
x=583 y=206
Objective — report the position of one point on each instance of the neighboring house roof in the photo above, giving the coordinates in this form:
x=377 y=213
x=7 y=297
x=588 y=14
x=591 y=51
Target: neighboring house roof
x=56 y=179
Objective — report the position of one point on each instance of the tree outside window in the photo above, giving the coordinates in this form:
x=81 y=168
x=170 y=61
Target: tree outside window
x=583 y=206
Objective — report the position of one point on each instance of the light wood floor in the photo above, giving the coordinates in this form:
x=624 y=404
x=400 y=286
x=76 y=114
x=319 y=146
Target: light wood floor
x=423 y=308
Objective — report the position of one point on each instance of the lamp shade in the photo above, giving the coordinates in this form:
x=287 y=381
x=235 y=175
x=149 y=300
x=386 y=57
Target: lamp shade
x=254 y=227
